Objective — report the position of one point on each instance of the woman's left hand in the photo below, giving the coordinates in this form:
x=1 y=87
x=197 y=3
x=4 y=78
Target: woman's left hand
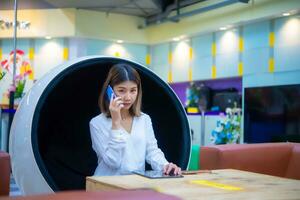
x=172 y=169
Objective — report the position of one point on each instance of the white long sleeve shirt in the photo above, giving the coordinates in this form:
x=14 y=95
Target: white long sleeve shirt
x=120 y=152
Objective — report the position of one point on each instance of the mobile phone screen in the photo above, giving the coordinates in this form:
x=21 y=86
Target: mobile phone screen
x=110 y=92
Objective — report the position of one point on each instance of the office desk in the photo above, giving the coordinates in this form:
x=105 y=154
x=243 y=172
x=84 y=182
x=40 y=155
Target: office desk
x=220 y=184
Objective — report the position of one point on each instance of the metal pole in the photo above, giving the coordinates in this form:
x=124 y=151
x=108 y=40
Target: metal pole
x=12 y=93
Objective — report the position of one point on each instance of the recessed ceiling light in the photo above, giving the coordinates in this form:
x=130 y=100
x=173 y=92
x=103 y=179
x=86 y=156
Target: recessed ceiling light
x=120 y=41
x=286 y=14
x=223 y=28
x=182 y=37
x=48 y=37
x=176 y=39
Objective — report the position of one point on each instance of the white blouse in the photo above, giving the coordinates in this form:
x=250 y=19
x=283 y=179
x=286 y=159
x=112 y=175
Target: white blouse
x=119 y=152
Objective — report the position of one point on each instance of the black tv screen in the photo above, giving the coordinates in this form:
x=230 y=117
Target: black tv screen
x=272 y=114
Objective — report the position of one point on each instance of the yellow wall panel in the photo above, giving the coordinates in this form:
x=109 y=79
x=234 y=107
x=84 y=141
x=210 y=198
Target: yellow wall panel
x=148 y=59
x=190 y=74
x=117 y=54
x=214 y=72
x=271 y=65
x=271 y=39
x=213 y=49
x=170 y=76
x=240 y=69
x=170 y=58
x=66 y=53
x=191 y=53
x=241 y=44
x=31 y=53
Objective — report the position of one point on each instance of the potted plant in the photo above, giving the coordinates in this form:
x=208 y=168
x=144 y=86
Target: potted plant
x=228 y=127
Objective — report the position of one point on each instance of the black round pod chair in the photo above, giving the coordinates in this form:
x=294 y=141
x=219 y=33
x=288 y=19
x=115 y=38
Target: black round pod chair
x=50 y=139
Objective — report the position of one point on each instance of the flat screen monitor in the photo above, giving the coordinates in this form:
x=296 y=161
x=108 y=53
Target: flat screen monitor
x=272 y=114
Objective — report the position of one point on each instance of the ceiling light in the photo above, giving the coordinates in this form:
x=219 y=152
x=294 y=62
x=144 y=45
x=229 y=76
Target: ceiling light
x=223 y=28
x=286 y=14
x=119 y=41
x=48 y=37
x=182 y=37
x=176 y=39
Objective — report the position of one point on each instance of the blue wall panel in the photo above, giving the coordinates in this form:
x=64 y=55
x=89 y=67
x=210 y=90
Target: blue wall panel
x=180 y=61
x=227 y=65
x=256 y=60
x=202 y=46
x=256 y=35
x=268 y=79
x=287 y=58
x=159 y=62
x=287 y=44
x=256 y=80
x=137 y=52
x=96 y=47
x=48 y=54
x=202 y=68
x=7 y=46
x=290 y=77
x=287 y=31
x=23 y=44
x=202 y=57
x=227 y=41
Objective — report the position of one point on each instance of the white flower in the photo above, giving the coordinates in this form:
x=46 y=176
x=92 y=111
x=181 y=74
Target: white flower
x=219 y=129
x=235 y=123
x=228 y=111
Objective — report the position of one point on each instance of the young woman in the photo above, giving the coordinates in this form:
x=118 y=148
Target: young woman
x=122 y=136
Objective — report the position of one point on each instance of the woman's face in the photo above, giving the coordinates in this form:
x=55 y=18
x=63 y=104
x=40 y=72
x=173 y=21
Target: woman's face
x=128 y=91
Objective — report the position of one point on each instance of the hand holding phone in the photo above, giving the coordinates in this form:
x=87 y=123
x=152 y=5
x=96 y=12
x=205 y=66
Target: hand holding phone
x=115 y=105
x=110 y=93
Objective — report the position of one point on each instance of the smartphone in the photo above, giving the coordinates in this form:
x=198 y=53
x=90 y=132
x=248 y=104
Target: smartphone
x=110 y=93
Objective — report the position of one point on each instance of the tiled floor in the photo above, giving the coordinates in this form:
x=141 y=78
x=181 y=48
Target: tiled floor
x=14 y=189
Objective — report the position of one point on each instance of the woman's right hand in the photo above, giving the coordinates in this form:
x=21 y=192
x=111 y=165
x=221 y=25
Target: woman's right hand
x=115 y=106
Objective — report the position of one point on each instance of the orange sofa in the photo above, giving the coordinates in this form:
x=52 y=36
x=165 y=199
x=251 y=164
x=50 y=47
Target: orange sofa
x=4 y=173
x=277 y=159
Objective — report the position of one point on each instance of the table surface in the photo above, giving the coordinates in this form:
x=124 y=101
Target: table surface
x=219 y=184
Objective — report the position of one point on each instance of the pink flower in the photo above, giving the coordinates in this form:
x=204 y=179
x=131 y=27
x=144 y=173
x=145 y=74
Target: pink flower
x=12 y=88
x=18 y=77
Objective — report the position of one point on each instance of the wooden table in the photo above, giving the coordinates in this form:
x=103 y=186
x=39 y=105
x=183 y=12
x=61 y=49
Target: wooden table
x=220 y=184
